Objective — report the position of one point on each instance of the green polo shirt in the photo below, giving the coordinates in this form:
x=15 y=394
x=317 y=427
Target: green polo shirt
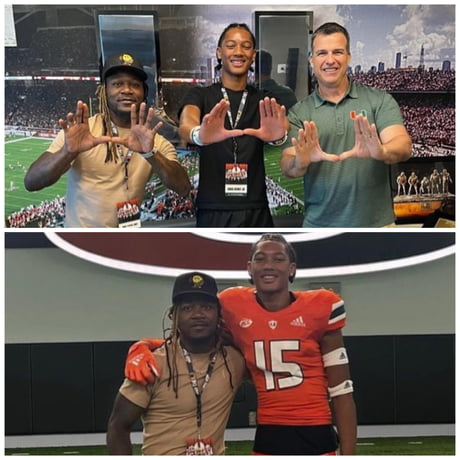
x=355 y=192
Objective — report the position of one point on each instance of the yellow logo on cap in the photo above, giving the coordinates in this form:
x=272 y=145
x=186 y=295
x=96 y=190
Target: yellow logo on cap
x=197 y=281
x=127 y=59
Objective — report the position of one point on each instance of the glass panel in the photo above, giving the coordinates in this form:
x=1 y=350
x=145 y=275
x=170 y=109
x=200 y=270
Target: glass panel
x=133 y=32
x=283 y=39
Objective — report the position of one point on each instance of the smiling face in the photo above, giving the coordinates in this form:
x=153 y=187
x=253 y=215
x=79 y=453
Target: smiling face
x=330 y=60
x=123 y=89
x=270 y=267
x=236 y=51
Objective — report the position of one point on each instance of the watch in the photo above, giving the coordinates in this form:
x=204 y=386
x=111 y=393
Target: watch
x=279 y=142
x=150 y=154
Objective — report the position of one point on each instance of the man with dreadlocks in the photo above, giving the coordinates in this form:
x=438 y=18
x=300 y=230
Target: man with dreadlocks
x=109 y=157
x=185 y=411
x=294 y=350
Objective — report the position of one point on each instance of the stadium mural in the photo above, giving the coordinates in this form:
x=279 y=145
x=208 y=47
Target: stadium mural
x=408 y=50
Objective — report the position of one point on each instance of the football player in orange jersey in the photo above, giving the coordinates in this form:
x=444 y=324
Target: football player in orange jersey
x=294 y=351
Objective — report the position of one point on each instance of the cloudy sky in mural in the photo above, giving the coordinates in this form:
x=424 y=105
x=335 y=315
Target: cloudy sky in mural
x=399 y=28
x=377 y=32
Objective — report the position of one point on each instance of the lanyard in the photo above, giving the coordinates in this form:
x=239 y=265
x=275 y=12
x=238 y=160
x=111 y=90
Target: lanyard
x=240 y=108
x=238 y=116
x=194 y=381
x=124 y=159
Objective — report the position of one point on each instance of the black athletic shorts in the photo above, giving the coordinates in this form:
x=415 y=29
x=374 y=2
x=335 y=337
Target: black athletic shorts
x=295 y=440
x=211 y=218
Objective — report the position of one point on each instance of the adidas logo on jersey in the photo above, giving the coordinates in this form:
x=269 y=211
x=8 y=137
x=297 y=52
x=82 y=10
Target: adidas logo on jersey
x=298 y=322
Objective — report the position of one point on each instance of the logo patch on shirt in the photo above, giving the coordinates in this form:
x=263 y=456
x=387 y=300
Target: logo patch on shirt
x=353 y=114
x=273 y=324
x=298 y=322
x=246 y=322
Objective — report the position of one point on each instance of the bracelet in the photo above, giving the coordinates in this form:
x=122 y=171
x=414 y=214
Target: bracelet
x=150 y=154
x=279 y=142
x=195 y=136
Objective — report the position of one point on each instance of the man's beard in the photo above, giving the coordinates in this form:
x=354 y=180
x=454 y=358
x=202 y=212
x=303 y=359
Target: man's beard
x=124 y=115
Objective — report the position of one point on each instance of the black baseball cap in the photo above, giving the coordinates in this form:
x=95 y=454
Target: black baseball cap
x=195 y=283
x=123 y=62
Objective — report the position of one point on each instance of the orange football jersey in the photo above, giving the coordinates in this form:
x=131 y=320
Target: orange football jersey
x=282 y=352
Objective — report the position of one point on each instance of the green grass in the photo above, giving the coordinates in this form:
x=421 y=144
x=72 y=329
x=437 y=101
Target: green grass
x=21 y=152
x=433 y=445
x=272 y=169
x=19 y=155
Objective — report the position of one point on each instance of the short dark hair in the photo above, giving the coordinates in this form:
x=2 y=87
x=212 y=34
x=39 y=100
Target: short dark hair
x=236 y=25
x=278 y=238
x=233 y=25
x=329 y=28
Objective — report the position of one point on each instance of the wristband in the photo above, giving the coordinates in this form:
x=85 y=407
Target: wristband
x=195 y=136
x=341 y=389
x=150 y=154
x=279 y=142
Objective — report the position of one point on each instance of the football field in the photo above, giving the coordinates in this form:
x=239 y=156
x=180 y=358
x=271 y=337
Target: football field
x=21 y=152
x=432 y=445
x=272 y=169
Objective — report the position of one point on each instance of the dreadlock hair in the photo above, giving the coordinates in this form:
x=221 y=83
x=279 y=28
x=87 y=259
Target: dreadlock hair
x=234 y=25
x=172 y=338
x=103 y=108
x=278 y=238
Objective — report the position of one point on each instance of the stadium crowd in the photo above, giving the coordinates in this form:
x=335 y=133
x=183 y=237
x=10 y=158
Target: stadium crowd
x=278 y=197
x=409 y=80
x=40 y=104
x=47 y=214
x=168 y=205
x=54 y=50
x=439 y=131
x=429 y=118
x=426 y=98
